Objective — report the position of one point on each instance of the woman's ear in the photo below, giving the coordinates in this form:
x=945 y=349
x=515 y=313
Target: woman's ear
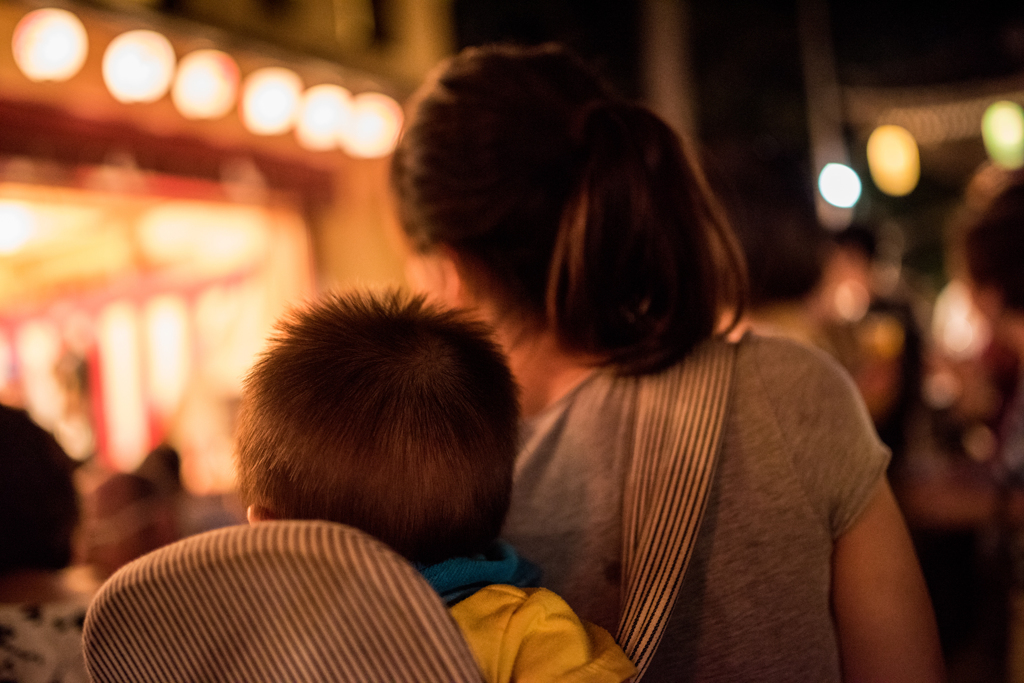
x=436 y=274
x=258 y=513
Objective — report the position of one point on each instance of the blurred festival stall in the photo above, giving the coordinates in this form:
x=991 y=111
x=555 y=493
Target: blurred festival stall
x=167 y=189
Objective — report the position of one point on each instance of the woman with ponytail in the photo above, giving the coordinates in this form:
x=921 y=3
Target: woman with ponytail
x=577 y=225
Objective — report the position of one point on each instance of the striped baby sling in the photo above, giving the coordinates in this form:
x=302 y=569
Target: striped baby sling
x=680 y=417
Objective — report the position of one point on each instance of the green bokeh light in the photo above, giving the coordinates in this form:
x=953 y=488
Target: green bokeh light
x=1002 y=129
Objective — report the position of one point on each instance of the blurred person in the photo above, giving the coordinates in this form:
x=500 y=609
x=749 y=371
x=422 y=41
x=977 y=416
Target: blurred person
x=772 y=214
x=162 y=467
x=400 y=419
x=992 y=251
x=873 y=317
x=128 y=516
x=574 y=223
x=876 y=336
x=42 y=600
x=989 y=243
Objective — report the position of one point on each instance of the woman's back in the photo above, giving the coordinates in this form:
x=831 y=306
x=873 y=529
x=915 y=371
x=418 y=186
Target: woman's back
x=576 y=224
x=793 y=474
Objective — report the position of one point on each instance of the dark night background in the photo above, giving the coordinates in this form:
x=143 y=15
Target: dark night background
x=749 y=100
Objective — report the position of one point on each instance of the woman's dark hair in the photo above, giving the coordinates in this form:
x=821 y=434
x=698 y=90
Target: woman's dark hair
x=580 y=210
x=992 y=241
x=38 y=500
x=387 y=414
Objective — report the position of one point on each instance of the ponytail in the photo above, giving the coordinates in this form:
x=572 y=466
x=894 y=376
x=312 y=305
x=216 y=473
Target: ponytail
x=643 y=261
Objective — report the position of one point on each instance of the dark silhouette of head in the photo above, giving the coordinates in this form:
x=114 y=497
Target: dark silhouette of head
x=38 y=501
x=992 y=243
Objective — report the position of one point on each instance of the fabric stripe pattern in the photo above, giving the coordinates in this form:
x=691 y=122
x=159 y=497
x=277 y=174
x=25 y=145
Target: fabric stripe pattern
x=680 y=414
x=280 y=601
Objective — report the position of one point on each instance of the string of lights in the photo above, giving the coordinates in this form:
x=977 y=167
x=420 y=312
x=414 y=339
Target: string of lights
x=140 y=66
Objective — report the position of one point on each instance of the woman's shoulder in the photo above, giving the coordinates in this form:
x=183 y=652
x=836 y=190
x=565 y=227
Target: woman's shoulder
x=776 y=365
x=790 y=369
x=803 y=385
x=810 y=403
x=774 y=351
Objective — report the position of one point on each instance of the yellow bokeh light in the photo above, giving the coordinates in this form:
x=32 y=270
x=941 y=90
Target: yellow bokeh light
x=374 y=127
x=123 y=400
x=894 y=160
x=50 y=45
x=213 y=239
x=326 y=112
x=206 y=85
x=138 y=66
x=270 y=100
x=1002 y=130
x=168 y=358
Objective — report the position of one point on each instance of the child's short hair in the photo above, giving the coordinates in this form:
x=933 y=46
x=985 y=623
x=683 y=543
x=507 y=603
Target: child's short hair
x=387 y=414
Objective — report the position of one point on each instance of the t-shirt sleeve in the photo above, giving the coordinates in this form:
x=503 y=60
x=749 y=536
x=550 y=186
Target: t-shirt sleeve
x=835 y=449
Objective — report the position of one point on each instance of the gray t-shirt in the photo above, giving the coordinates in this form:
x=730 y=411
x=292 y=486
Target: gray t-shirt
x=799 y=461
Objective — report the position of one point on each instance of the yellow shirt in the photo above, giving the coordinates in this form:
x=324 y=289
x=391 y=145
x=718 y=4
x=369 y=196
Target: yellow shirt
x=531 y=634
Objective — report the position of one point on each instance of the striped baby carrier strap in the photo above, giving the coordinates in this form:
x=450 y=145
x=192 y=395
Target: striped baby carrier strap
x=279 y=602
x=680 y=415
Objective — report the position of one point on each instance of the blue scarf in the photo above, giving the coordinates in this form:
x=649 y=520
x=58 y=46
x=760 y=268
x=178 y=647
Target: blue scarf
x=460 y=577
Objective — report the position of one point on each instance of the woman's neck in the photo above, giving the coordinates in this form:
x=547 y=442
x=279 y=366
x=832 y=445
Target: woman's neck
x=544 y=370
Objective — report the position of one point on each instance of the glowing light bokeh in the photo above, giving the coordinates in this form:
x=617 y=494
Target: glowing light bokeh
x=50 y=45
x=206 y=85
x=37 y=346
x=1002 y=130
x=960 y=330
x=375 y=126
x=839 y=185
x=138 y=66
x=894 y=160
x=17 y=225
x=325 y=114
x=168 y=352
x=851 y=300
x=270 y=100
x=211 y=238
x=6 y=362
x=124 y=404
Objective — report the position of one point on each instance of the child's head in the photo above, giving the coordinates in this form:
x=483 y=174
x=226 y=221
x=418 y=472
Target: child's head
x=386 y=414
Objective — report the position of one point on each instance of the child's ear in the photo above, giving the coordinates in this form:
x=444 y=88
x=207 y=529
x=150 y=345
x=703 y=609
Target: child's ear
x=257 y=513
